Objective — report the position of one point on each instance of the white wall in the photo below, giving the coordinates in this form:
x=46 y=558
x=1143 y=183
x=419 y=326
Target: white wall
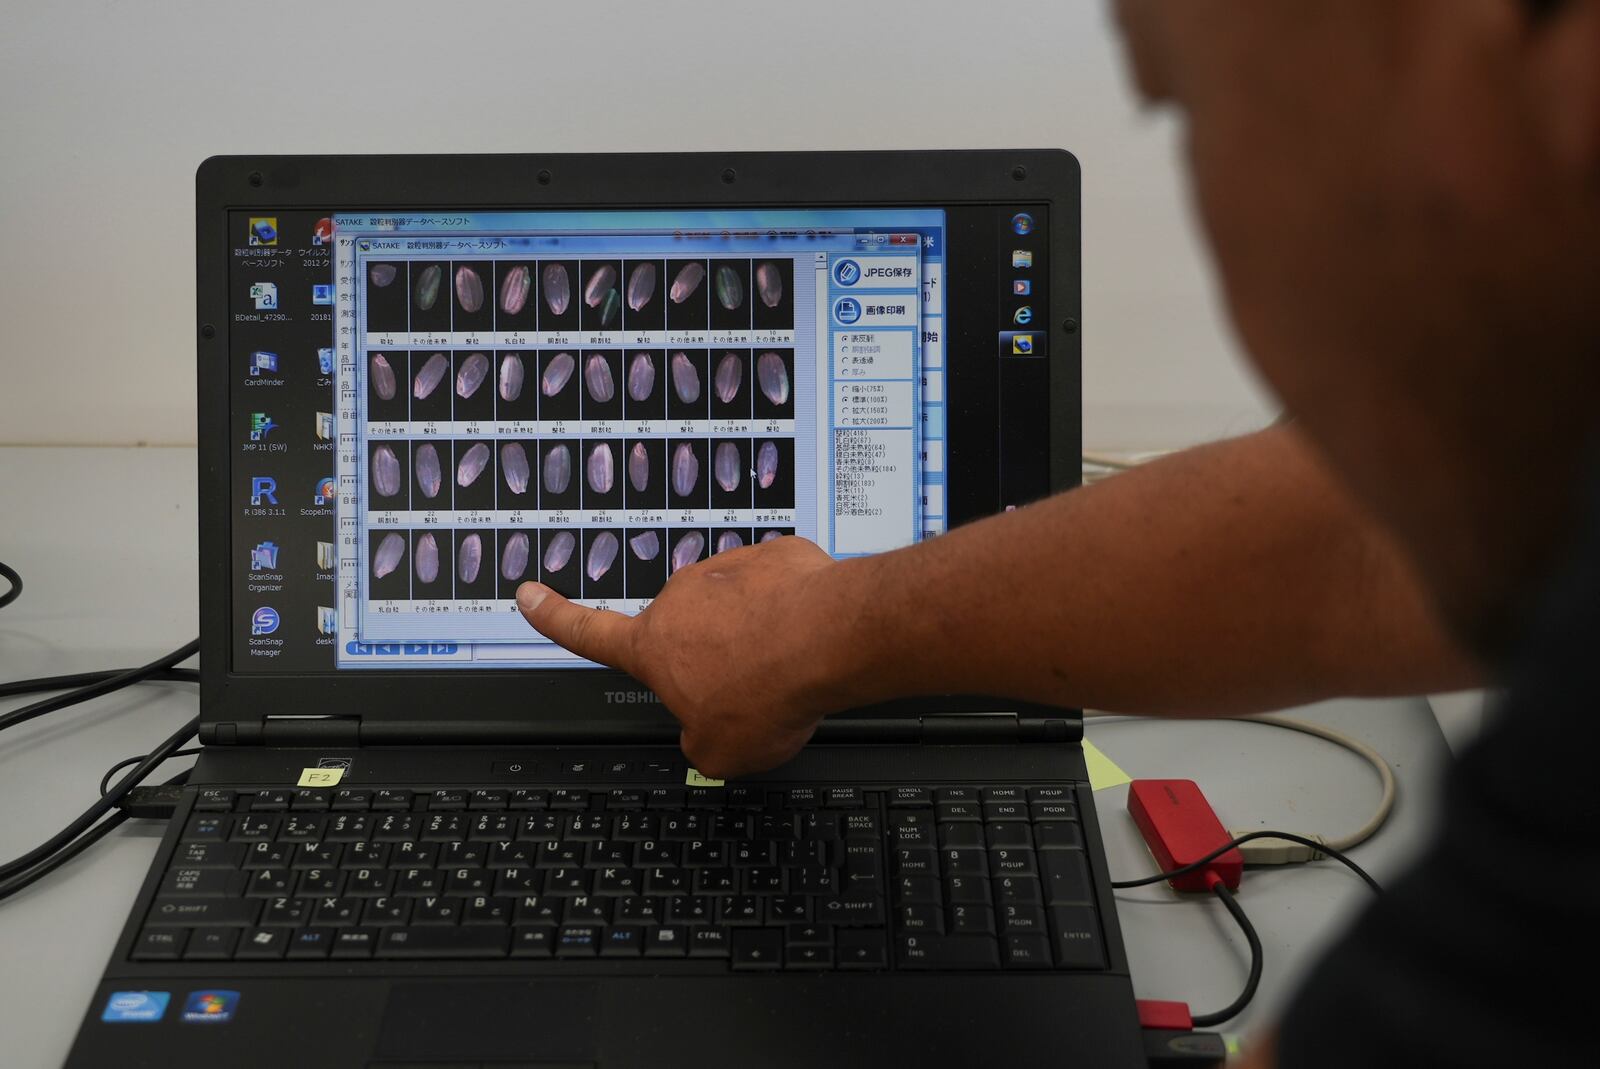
x=106 y=108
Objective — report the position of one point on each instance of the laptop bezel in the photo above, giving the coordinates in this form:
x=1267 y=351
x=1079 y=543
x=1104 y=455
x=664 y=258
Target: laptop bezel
x=586 y=700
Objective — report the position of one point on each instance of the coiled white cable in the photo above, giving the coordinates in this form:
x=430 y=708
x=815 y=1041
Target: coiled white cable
x=1281 y=851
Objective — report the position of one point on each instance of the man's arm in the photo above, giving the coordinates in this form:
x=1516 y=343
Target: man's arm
x=1230 y=578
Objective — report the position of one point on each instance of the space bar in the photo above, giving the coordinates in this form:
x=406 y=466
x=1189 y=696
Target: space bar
x=474 y=942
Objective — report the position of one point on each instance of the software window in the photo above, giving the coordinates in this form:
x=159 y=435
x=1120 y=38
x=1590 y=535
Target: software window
x=594 y=400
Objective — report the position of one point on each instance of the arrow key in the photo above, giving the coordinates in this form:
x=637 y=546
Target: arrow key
x=757 y=948
x=861 y=950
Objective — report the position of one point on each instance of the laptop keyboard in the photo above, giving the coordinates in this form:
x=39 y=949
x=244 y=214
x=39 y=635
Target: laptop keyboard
x=808 y=878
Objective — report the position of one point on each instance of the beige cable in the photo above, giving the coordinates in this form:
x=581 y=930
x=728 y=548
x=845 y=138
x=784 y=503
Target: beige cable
x=1281 y=851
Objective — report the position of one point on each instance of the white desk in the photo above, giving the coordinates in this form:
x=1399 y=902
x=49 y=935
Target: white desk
x=105 y=541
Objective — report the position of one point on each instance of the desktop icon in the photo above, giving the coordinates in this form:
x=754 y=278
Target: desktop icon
x=264 y=621
x=325 y=492
x=1022 y=223
x=1022 y=345
x=1023 y=316
x=265 y=294
x=325 y=361
x=325 y=556
x=263 y=363
x=327 y=621
x=261 y=425
x=263 y=230
x=263 y=490
x=846 y=310
x=847 y=272
x=321 y=293
x=1022 y=287
x=322 y=233
x=264 y=558
x=324 y=426
x=1021 y=259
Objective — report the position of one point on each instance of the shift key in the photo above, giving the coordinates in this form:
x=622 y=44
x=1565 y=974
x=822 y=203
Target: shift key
x=203 y=912
x=851 y=911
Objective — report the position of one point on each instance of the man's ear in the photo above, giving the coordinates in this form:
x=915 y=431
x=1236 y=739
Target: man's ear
x=1564 y=84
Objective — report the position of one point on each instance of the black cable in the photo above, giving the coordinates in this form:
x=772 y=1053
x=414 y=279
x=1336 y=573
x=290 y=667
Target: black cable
x=26 y=879
x=84 y=679
x=1232 y=1010
x=15 y=580
x=105 y=780
x=1240 y=841
x=102 y=806
x=94 y=690
x=89 y=828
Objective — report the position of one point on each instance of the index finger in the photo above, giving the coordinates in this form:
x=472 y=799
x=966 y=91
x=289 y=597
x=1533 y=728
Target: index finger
x=595 y=634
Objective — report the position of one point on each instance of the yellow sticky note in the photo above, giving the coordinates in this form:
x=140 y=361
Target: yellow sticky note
x=1103 y=772
x=694 y=779
x=320 y=777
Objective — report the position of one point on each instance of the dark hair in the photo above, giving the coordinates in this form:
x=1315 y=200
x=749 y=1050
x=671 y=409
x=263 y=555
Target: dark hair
x=1541 y=8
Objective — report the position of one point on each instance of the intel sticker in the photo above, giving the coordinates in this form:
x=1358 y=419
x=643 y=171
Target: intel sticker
x=136 y=1006
x=210 y=1006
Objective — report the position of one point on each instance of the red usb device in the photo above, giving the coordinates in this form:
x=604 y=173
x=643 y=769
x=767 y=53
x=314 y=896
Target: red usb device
x=1180 y=828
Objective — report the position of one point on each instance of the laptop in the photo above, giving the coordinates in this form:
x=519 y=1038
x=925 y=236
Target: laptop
x=422 y=835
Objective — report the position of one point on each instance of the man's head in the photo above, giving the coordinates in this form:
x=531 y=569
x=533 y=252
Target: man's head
x=1403 y=197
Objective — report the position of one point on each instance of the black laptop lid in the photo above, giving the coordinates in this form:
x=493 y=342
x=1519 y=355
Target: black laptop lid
x=424 y=380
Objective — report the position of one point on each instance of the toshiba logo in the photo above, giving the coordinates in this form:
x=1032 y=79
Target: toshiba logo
x=631 y=697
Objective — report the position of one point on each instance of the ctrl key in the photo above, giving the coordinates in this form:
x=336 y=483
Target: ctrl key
x=160 y=944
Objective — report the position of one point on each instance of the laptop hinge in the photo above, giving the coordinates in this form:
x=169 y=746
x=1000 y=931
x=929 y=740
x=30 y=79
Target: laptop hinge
x=970 y=727
x=338 y=731
x=944 y=729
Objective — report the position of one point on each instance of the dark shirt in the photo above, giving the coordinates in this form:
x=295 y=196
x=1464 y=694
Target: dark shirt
x=1485 y=954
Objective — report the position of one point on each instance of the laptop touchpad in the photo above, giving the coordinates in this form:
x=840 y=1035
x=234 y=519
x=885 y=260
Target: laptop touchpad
x=542 y=1022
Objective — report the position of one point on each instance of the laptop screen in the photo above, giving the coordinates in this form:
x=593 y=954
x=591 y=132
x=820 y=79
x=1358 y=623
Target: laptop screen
x=431 y=406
